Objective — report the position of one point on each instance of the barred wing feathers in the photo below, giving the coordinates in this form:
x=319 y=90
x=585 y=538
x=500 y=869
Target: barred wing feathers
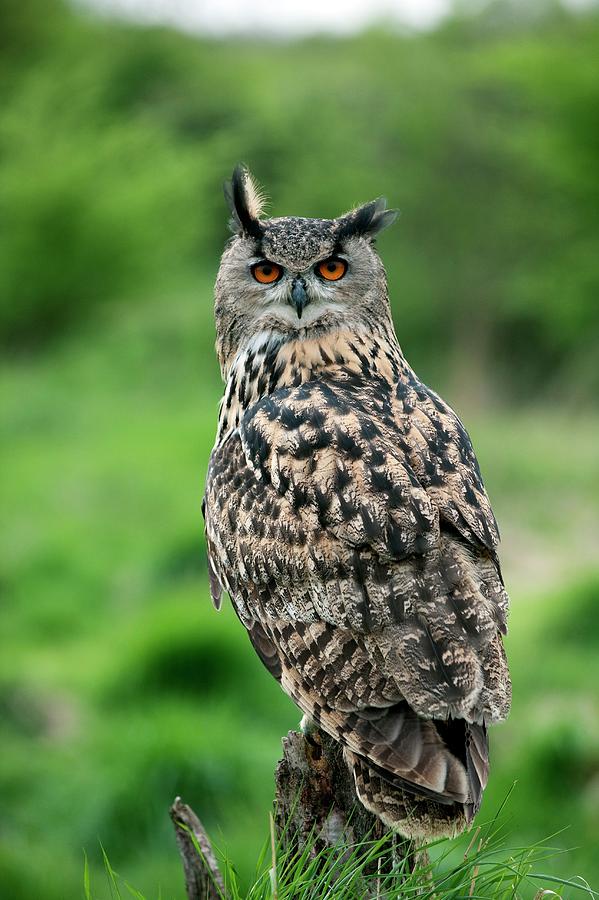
x=347 y=520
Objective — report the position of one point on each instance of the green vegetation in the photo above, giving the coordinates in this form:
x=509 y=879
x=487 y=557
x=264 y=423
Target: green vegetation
x=481 y=864
x=115 y=142
x=120 y=687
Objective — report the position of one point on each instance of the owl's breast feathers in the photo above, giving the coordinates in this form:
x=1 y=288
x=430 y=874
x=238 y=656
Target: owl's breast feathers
x=347 y=519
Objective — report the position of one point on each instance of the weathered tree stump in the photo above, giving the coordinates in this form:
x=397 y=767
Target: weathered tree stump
x=316 y=803
x=315 y=806
x=203 y=880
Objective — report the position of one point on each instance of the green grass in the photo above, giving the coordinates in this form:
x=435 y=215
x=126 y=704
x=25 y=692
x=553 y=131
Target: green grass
x=480 y=864
x=120 y=687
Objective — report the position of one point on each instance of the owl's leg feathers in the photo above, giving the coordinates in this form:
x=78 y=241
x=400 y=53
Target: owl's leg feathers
x=307 y=725
x=407 y=809
x=412 y=816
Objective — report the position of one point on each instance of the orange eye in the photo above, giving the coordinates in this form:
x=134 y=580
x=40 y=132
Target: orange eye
x=332 y=269
x=266 y=272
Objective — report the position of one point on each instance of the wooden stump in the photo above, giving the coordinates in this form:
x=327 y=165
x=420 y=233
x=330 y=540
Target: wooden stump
x=316 y=805
x=203 y=880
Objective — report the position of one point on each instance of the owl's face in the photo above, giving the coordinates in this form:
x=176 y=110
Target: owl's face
x=296 y=277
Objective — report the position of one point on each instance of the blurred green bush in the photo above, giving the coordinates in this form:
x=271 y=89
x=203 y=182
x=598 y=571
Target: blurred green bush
x=114 y=142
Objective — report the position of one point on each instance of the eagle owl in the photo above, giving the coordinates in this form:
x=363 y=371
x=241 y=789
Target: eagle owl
x=347 y=519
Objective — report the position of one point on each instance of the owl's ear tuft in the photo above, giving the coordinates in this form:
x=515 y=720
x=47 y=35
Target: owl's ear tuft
x=368 y=220
x=246 y=202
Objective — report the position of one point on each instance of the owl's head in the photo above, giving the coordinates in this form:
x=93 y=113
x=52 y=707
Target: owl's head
x=296 y=277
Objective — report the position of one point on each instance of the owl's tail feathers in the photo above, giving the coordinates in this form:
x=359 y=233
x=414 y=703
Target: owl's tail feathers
x=477 y=766
x=414 y=813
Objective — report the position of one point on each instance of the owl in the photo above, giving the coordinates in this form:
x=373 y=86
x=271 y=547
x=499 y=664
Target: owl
x=347 y=519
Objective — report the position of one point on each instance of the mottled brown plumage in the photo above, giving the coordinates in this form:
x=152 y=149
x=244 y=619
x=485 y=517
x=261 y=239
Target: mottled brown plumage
x=347 y=519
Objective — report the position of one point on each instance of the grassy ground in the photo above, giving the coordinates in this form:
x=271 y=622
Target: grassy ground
x=120 y=687
x=481 y=864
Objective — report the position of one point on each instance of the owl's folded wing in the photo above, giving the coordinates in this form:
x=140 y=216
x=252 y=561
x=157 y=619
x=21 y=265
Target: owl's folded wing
x=339 y=684
x=311 y=505
x=374 y=612
x=438 y=448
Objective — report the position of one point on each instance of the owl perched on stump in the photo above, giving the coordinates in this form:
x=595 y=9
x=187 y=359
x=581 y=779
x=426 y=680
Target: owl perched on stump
x=347 y=519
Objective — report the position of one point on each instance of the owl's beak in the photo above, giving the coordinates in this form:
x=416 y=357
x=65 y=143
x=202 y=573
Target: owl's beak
x=299 y=297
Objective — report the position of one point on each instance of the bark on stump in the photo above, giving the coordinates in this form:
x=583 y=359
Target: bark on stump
x=203 y=880
x=316 y=803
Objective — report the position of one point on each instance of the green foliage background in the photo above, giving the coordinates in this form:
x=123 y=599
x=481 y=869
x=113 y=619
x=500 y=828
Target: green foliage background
x=119 y=685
